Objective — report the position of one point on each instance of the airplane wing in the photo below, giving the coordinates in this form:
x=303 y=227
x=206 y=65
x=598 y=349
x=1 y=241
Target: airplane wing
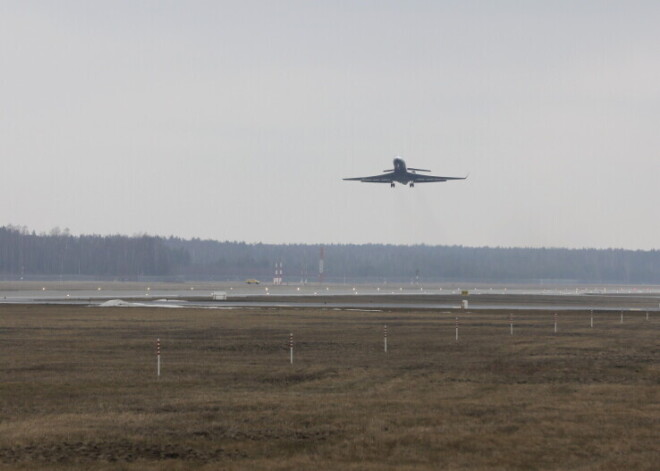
x=432 y=178
x=384 y=178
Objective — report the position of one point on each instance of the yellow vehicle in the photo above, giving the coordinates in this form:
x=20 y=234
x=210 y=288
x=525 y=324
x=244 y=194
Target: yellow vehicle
x=252 y=281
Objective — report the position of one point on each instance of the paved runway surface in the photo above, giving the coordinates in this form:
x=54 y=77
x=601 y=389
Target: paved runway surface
x=335 y=296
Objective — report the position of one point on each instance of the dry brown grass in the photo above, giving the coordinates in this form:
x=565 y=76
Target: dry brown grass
x=78 y=390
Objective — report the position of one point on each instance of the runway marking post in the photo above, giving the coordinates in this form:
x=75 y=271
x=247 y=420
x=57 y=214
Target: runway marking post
x=385 y=338
x=457 y=328
x=647 y=315
x=592 y=319
x=555 y=322
x=621 y=321
x=158 y=358
x=291 y=348
x=511 y=322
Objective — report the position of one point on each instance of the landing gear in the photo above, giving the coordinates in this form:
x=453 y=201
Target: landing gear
x=392 y=185
x=412 y=185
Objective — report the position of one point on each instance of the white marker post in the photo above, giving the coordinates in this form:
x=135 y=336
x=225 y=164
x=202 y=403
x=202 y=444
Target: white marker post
x=555 y=322
x=158 y=358
x=385 y=338
x=621 y=321
x=647 y=315
x=511 y=322
x=291 y=348
x=592 y=319
x=457 y=329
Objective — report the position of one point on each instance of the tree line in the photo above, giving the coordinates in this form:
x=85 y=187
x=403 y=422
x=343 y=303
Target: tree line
x=24 y=254
x=58 y=253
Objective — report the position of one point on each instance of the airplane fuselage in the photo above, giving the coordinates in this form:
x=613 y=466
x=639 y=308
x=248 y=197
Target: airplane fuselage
x=401 y=174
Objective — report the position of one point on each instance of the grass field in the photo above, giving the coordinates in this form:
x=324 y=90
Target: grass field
x=78 y=390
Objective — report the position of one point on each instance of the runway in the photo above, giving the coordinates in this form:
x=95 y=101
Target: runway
x=362 y=297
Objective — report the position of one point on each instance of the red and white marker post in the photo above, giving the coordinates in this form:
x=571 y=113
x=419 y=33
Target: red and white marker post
x=158 y=358
x=291 y=348
x=385 y=338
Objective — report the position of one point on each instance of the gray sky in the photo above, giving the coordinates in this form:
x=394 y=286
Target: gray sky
x=237 y=120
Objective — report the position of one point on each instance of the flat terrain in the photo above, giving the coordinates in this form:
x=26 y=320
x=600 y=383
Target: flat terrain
x=78 y=390
x=618 y=301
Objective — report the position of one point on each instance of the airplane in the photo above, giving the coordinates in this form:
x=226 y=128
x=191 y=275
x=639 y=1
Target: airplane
x=403 y=175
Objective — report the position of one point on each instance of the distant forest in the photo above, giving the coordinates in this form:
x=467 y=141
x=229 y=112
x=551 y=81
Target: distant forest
x=59 y=255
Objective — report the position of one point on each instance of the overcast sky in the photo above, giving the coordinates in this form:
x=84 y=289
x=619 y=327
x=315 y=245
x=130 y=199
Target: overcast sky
x=237 y=120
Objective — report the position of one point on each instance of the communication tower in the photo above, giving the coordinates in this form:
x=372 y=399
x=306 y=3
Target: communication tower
x=277 y=278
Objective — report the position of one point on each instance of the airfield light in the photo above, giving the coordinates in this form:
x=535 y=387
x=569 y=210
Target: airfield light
x=158 y=357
